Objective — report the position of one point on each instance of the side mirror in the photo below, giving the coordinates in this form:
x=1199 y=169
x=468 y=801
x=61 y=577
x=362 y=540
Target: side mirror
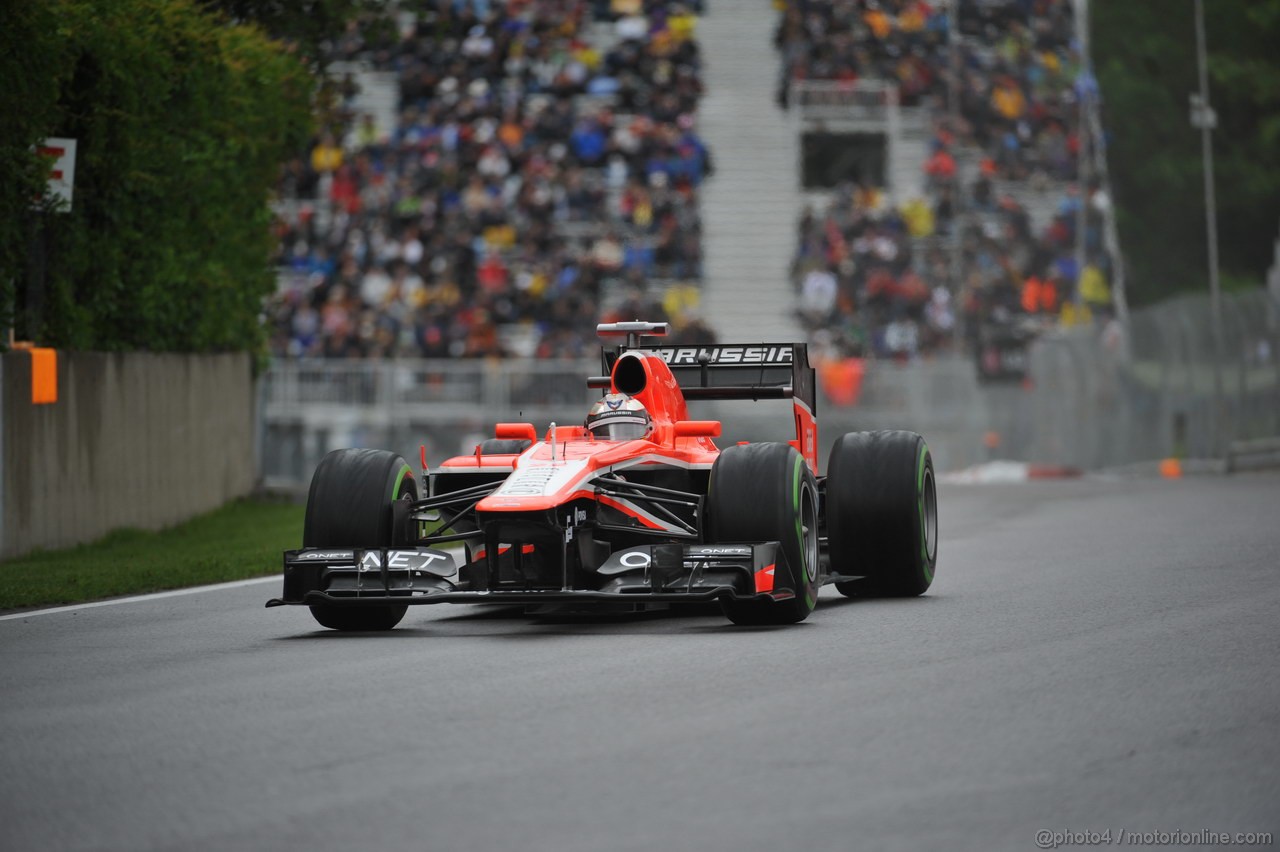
x=518 y=431
x=697 y=428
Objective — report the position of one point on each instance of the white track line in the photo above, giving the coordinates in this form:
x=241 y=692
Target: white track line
x=155 y=596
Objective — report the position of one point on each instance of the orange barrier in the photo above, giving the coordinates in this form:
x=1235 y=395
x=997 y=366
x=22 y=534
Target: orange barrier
x=44 y=376
x=44 y=373
x=842 y=380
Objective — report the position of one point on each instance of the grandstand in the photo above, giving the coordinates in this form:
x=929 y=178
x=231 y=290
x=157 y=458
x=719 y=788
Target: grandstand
x=951 y=215
x=492 y=183
x=797 y=168
x=493 y=186
x=497 y=186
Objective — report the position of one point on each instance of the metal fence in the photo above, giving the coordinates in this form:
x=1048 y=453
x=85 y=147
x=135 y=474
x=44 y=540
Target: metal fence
x=1162 y=387
x=310 y=407
x=871 y=102
x=1095 y=397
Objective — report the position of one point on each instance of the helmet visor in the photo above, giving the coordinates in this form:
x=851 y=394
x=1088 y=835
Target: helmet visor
x=620 y=430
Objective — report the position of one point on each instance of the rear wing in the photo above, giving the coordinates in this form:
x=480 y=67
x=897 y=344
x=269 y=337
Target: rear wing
x=731 y=370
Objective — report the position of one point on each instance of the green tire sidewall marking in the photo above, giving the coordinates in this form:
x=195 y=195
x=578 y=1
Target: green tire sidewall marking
x=802 y=571
x=395 y=489
x=924 y=532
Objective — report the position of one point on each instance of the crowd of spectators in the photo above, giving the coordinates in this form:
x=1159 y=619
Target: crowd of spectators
x=939 y=272
x=533 y=184
x=859 y=289
x=873 y=279
x=847 y=40
x=1016 y=71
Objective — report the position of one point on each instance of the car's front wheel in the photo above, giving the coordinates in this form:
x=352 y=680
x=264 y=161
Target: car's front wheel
x=349 y=506
x=766 y=492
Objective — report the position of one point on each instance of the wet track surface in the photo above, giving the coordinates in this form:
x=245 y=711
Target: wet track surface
x=1094 y=655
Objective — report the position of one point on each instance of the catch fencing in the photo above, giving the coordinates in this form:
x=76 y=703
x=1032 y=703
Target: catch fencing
x=1094 y=397
x=311 y=407
x=448 y=406
x=1162 y=387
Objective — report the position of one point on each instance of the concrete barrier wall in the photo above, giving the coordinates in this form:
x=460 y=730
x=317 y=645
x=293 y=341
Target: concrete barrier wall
x=135 y=440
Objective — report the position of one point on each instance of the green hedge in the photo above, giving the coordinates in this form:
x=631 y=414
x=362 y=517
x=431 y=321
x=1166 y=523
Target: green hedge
x=182 y=119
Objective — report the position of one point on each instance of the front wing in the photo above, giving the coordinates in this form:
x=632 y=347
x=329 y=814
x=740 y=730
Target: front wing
x=655 y=573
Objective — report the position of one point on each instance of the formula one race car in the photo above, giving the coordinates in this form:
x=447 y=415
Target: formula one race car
x=635 y=508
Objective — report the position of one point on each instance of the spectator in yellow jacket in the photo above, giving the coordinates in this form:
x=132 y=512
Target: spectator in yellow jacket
x=327 y=155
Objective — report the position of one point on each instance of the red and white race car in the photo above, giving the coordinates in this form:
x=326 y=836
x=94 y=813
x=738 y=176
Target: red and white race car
x=636 y=507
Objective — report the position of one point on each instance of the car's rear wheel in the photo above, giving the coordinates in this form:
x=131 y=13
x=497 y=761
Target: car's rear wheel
x=882 y=513
x=349 y=506
x=766 y=492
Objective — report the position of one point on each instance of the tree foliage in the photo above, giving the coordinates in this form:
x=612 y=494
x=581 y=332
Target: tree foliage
x=1145 y=56
x=181 y=119
x=31 y=59
x=305 y=24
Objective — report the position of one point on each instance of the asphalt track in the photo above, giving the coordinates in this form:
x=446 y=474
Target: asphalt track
x=1094 y=655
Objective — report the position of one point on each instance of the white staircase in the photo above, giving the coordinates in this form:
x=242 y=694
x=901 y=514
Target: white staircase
x=906 y=177
x=378 y=95
x=751 y=205
x=1040 y=201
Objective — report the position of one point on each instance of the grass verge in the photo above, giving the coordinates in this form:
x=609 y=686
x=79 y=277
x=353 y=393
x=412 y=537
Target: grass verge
x=242 y=539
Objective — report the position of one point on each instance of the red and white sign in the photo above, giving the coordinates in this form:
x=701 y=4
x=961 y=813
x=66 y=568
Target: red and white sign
x=63 y=177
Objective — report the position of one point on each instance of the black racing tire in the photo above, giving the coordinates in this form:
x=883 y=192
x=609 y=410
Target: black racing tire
x=766 y=492
x=504 y=446
x=350 y=505
x=882 y=514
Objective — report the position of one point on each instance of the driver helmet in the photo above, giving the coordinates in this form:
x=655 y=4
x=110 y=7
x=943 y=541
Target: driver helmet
x=618 y=417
